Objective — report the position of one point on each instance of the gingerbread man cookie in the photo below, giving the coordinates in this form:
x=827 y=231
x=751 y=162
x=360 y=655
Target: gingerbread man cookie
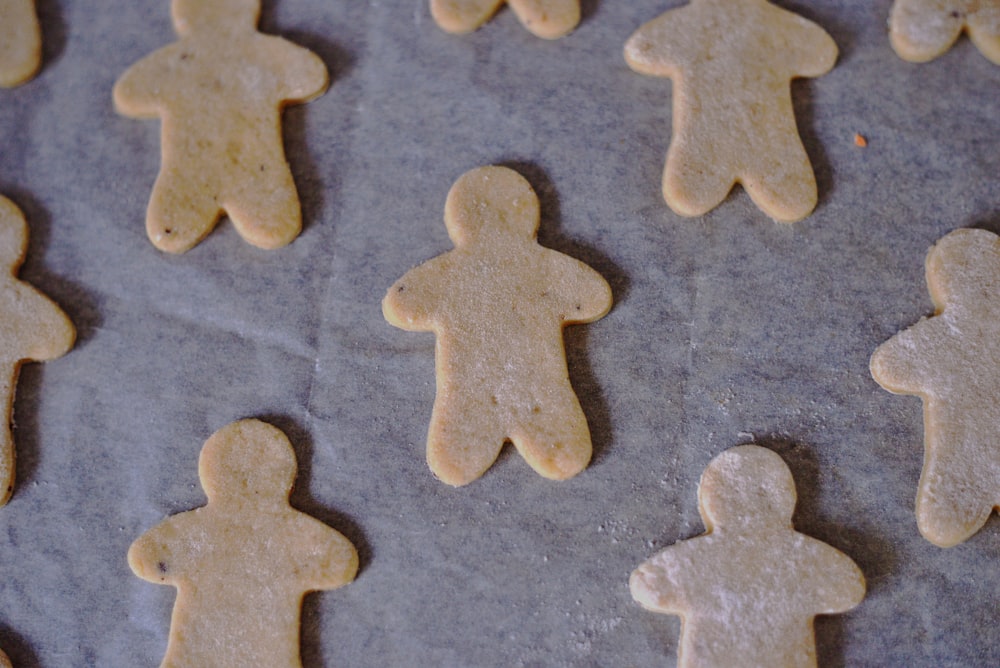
x=242 y=563
x=748 y=589
x=732 y=62
x=948 y=360
x=219 y=92
x=5 y=661
x=549 y=19
x=20 y=42
x=498 y=303
x=922 y=30
x=32 y=327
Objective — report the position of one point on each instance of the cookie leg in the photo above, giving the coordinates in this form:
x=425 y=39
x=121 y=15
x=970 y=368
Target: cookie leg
x=548 y=19
x=693 y=184
x=950 y=510
x=183 y=209
x=783 y=184
x=20 y=42
x=984 y=31
x=265 y=208
x=462 y=16
x=554 y=438
x=920 y=31
x=463 y=440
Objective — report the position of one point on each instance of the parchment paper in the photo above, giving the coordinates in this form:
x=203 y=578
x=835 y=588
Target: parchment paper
x=726 y=329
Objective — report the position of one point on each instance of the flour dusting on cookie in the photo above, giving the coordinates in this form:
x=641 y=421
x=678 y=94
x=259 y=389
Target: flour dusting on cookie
x=747 y=590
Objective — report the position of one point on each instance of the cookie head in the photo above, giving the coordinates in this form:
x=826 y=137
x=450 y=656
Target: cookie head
x=964 y=260
x=247 y=460
x=191 y=16
x=488 y=201
x=747 y=486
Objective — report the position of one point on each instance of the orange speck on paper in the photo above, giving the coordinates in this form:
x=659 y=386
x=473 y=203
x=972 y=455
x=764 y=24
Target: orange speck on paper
x=859 y=140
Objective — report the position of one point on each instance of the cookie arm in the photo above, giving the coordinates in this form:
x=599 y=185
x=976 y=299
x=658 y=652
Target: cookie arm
x=652 y=49
x=584 y=293
x=303 y=75
x=655 y=584
x=328 y=560
x=151 y=556
x=901 y=364
x=411 y=302
x=51 y=334
x=815 y=52
x=139 y=91
x=838 y=583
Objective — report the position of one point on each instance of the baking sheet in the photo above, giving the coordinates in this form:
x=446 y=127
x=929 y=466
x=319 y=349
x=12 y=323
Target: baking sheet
x=726 y=329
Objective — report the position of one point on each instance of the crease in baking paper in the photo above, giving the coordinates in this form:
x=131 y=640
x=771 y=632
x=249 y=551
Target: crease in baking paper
x=259 y=332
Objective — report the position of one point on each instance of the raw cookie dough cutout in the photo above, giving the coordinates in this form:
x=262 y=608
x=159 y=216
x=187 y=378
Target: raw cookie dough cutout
x=32 y=328
x=219 y=92
x=922 y=30
x=20 y=42
x=747 y=589
x=243 y=562
x=731 y=63
x=950 y=361
x=549 y=19
x=498 y=303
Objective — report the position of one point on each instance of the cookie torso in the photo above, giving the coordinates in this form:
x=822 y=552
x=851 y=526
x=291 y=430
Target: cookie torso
x=509 y=321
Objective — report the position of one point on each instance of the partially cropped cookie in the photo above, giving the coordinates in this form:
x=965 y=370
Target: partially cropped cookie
x=951 y=361
x=32 y=328
x=922 y=30
x=219 y=92
x=498 y=303
x=20 y=42
x=747 y=590
x=731 y=63
x=549 y=19
x=243 y=562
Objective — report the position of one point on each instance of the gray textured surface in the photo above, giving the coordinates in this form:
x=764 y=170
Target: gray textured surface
x=725 y=329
